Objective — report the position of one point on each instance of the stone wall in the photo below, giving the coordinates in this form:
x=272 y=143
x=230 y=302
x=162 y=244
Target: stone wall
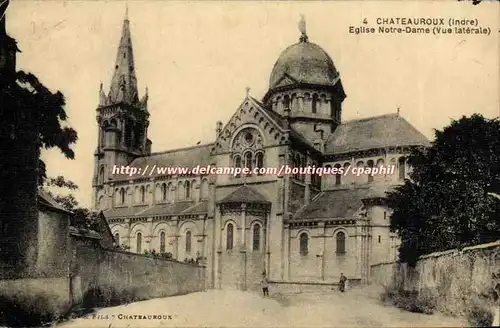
x=58 y=286
x=455 y=277
x=145 y=277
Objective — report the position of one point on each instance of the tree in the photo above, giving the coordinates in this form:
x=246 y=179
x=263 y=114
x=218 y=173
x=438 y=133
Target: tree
x=31 y=117
x=82 y=217
x=448 y=203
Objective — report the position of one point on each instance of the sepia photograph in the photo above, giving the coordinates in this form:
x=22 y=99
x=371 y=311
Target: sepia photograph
x=249 y=163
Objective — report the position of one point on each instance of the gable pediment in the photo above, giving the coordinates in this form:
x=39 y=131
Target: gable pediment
x=250 y=114
x=285 y=80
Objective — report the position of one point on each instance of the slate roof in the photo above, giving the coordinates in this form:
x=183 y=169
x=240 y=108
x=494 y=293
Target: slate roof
x=342 y=203
x=374 y=132
x=184 y=157
x=172 y=209
x=244 y=194
x=45 y=199
x=305 y=62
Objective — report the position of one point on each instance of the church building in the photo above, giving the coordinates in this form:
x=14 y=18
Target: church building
x=298 y=229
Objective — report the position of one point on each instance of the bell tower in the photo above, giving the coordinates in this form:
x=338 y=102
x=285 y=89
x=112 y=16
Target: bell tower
x=122 y=118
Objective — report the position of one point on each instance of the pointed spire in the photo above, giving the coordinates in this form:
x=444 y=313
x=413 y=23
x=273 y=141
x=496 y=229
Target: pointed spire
x=144 y=100
x=302 y=29
x=102 y=96
x=124 y=83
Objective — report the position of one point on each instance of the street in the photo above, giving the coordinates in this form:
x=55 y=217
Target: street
x=225 y=308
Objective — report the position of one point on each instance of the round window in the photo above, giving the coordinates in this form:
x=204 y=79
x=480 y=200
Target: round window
x=248 y=137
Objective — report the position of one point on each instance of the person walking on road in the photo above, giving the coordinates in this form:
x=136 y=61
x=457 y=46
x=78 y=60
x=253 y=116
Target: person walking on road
x=265 y=285
x=342 y=282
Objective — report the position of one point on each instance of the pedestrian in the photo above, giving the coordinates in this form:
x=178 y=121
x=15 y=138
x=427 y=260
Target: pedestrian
x=342 y=282
x=265 y=285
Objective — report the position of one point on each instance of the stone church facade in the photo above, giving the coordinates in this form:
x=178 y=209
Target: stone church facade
x=296 y=228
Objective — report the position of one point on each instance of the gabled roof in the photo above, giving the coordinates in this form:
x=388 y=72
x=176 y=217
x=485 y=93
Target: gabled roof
x=374 y=132
x=244 y=194
x=333 y=204
x=171 y=209
x=45 y=199
x=185 y=157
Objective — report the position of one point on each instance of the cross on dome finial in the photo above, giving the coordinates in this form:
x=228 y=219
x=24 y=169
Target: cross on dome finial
x=302 y=29
x=398 y=110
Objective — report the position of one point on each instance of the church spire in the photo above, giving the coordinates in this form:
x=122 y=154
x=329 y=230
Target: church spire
x=124 y=83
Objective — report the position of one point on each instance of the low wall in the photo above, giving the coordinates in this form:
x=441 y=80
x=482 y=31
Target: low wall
x=287 y=287
x=145 y=277
x=46 y=294
x=456 y=277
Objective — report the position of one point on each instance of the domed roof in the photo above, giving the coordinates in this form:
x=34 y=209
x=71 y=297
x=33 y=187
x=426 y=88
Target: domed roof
x=305 y=62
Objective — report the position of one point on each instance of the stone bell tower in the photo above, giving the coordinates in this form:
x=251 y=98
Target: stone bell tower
x=122 y=118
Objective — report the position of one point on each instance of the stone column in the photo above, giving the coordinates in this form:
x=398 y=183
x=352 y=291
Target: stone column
x=124 y=133
x=307 y=191
x=268 y=244
x=286 y=258
x=301 y=102
x=323 y=250
x=243 y=250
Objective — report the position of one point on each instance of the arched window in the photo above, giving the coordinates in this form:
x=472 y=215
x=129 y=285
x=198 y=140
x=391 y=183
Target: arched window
x=314 y=103
x=100 y=203
x=187 y=188
x=101 y=175
x=237 y=163
x=340 y=243
x=139 y=243
x=259 y=161
x=370 y=176
x=188 y=242
x=143 y=195
x=402 y=168
x=122 y=196
x=304 y=244
x=229 y=236
x=180 y=191
x=204 y=189
x=162 y=242
x=256 y=237
x=338 y=176
x=117 y=239
x=163 y=192
x=286 y=102
x=248 y=160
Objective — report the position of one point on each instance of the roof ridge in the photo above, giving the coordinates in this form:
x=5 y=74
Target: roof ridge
x=178 y=149
x=370 y=118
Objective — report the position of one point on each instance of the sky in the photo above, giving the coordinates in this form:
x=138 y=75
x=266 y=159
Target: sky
x=197 y=59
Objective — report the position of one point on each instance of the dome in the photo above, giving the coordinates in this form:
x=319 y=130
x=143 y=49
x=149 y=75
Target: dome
x=305 y=62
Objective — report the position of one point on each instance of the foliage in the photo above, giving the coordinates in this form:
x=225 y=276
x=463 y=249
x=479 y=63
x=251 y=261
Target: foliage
x=108 y=296
x=35 y=111
x=480 y=316
x=18 y=311
x=123 y=247
x=446 y=204
x=82 y=217
x=411 y=301
x=155 y=254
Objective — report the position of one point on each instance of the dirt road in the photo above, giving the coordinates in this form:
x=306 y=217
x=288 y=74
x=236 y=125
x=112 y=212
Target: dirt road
x=221 y=308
